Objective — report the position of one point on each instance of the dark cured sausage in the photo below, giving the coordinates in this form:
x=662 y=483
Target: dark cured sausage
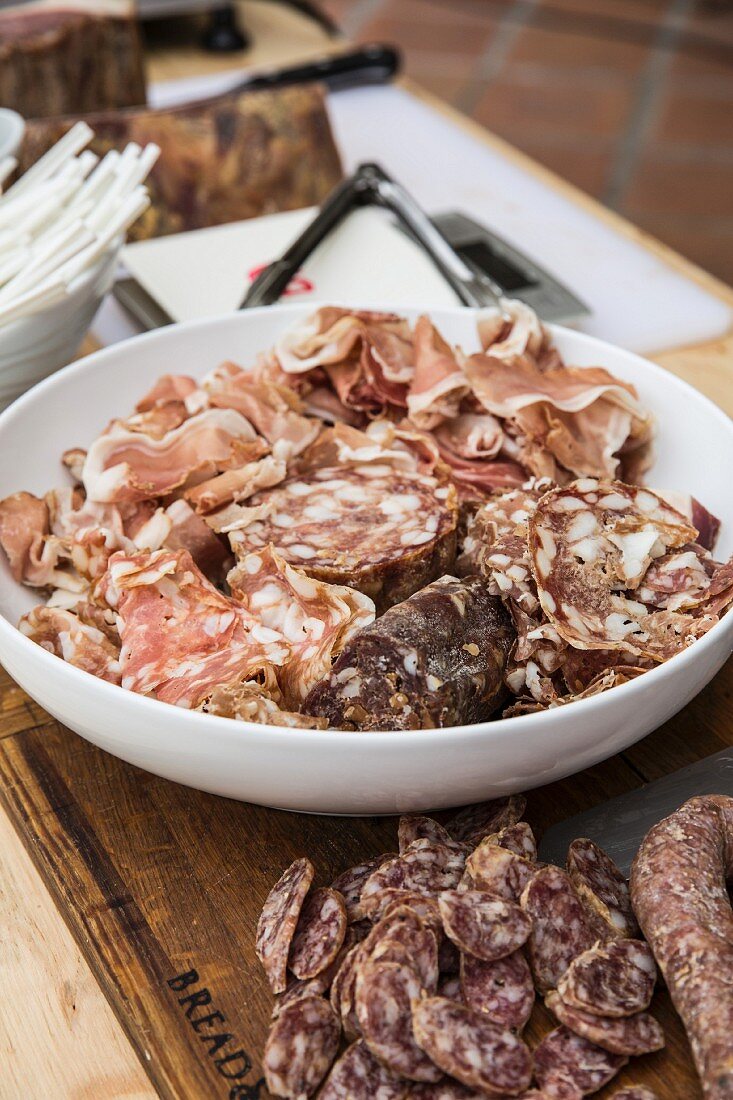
x=678 y=890
x=435 y=660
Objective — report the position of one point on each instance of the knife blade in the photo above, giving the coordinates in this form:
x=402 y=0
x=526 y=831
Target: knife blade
x=620 y=825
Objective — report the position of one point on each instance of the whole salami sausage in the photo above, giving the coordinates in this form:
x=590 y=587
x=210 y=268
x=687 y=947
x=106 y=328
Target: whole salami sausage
x=435 y=660
x=678 y=890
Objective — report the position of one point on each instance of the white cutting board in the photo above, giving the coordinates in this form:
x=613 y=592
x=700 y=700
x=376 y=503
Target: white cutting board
x=636 y=299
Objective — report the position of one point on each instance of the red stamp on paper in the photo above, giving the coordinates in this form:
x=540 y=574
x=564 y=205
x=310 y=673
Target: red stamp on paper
x=299 y=284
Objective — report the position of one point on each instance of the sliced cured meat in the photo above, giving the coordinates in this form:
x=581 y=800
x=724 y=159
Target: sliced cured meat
x=424 y=868
x=416 y=949
x=678 y=890
x=279 y=919
x=467 y=1046
x=357 y=1075
x=385 y=994
x=487 y=927
x=473 y=823
x=503 y=990
x=601 y=886
x=639 y=1034
x=498 y=870
x=517 y=838
x=256 y=470
x=565 y=1061
x=124 y=463
x=319 y=933
x=635 y=1092
x=448 y=1089
x=350 y=884
x=615 y=979
x=74 y=638
x=300 y=1048
x=417 y=827
x=190 y=532
x=181 y=637
x=314 y=619
x=435 y=660
x=24 y=525
x=561 y=928
x=450 y=986
x=705 y=523
x=425 y=907
x=255 y=702
x=592 y=542
x=384 y=531
x=342 y=991
x=438 y=384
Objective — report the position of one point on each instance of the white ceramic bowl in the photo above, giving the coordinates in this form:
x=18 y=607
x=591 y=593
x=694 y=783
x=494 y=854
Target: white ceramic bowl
x=328 y=771
x=35 y=346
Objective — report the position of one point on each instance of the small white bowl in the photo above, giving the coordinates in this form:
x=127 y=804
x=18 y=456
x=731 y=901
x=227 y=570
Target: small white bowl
x=35 y=346
x=12 y=128
x=325 y=771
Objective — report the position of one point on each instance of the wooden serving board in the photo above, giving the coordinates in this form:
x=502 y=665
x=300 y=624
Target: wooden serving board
x=161 y=887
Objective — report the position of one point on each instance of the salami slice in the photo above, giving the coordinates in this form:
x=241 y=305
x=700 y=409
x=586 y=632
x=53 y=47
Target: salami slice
x=503 y=990
x=351 y=882
x=561 y=929
x=425 y=907
x=517 y=838
x=424 y=868
x=357 y=1075
x=417 y=827
x=279 y=919
x=639 y=1034
x=615 y=979
x=385 y=993
x=468 y=1046
x=487 y=927
x=435 y=660
x=383 y=531
x=499 y=871
x=602 y=886
x=319 y=933
x=566 y=1065
x=448 y=1089
x=342 y=991
x=678 y=890
x=300 y=1048
x=635 y=1092
x=473 y=823
x=591 y=543
x=416 y=949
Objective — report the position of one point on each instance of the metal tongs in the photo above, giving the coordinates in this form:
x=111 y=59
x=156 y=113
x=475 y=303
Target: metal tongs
x=371 y=186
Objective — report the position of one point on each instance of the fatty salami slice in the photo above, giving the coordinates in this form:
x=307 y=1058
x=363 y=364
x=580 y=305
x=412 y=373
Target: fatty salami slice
x=425 y=907
x=357 y=1075
x=301 y=1046
x=517 y=838
x=678 y=889
x=319 y=933
x=614 y=979
x=435 y=660
x=566 y=1065
x=639 y=1034
x=342 y=992
x=499 y=871
x=467 y=1046
x=602 y=886
x=418 y=827
x=351 y=882
x=278 y=921
x=561 y=929
x=484 y=926
x=474 y=822
x=503 y=990
x=385 y=993
x=417 y=950
x=383 y=531
x=424 y=868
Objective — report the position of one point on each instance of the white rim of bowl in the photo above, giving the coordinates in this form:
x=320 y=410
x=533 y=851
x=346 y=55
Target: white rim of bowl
x=499 y=728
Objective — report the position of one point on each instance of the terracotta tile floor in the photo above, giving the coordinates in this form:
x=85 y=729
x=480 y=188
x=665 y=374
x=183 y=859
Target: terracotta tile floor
x=631 y=100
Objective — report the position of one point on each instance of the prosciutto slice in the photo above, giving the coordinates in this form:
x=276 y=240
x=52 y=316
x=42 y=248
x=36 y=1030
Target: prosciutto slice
x=181 y=637
x=126 y=465
x=315 y=619
x=438 y=384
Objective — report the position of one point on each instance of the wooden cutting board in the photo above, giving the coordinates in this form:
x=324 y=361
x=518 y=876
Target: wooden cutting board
x=161 y=887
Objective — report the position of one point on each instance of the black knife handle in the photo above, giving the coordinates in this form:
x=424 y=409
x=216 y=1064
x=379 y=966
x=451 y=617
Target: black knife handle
x=372 y=64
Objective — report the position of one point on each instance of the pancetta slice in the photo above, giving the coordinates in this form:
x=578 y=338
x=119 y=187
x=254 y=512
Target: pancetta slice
x=590 y=547
x=181 y=637
x=125 y=465
x=438 y=384
x=73 y=636
x=315 y=619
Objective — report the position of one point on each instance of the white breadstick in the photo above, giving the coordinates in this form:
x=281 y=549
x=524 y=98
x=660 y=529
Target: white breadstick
x=69 y=145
